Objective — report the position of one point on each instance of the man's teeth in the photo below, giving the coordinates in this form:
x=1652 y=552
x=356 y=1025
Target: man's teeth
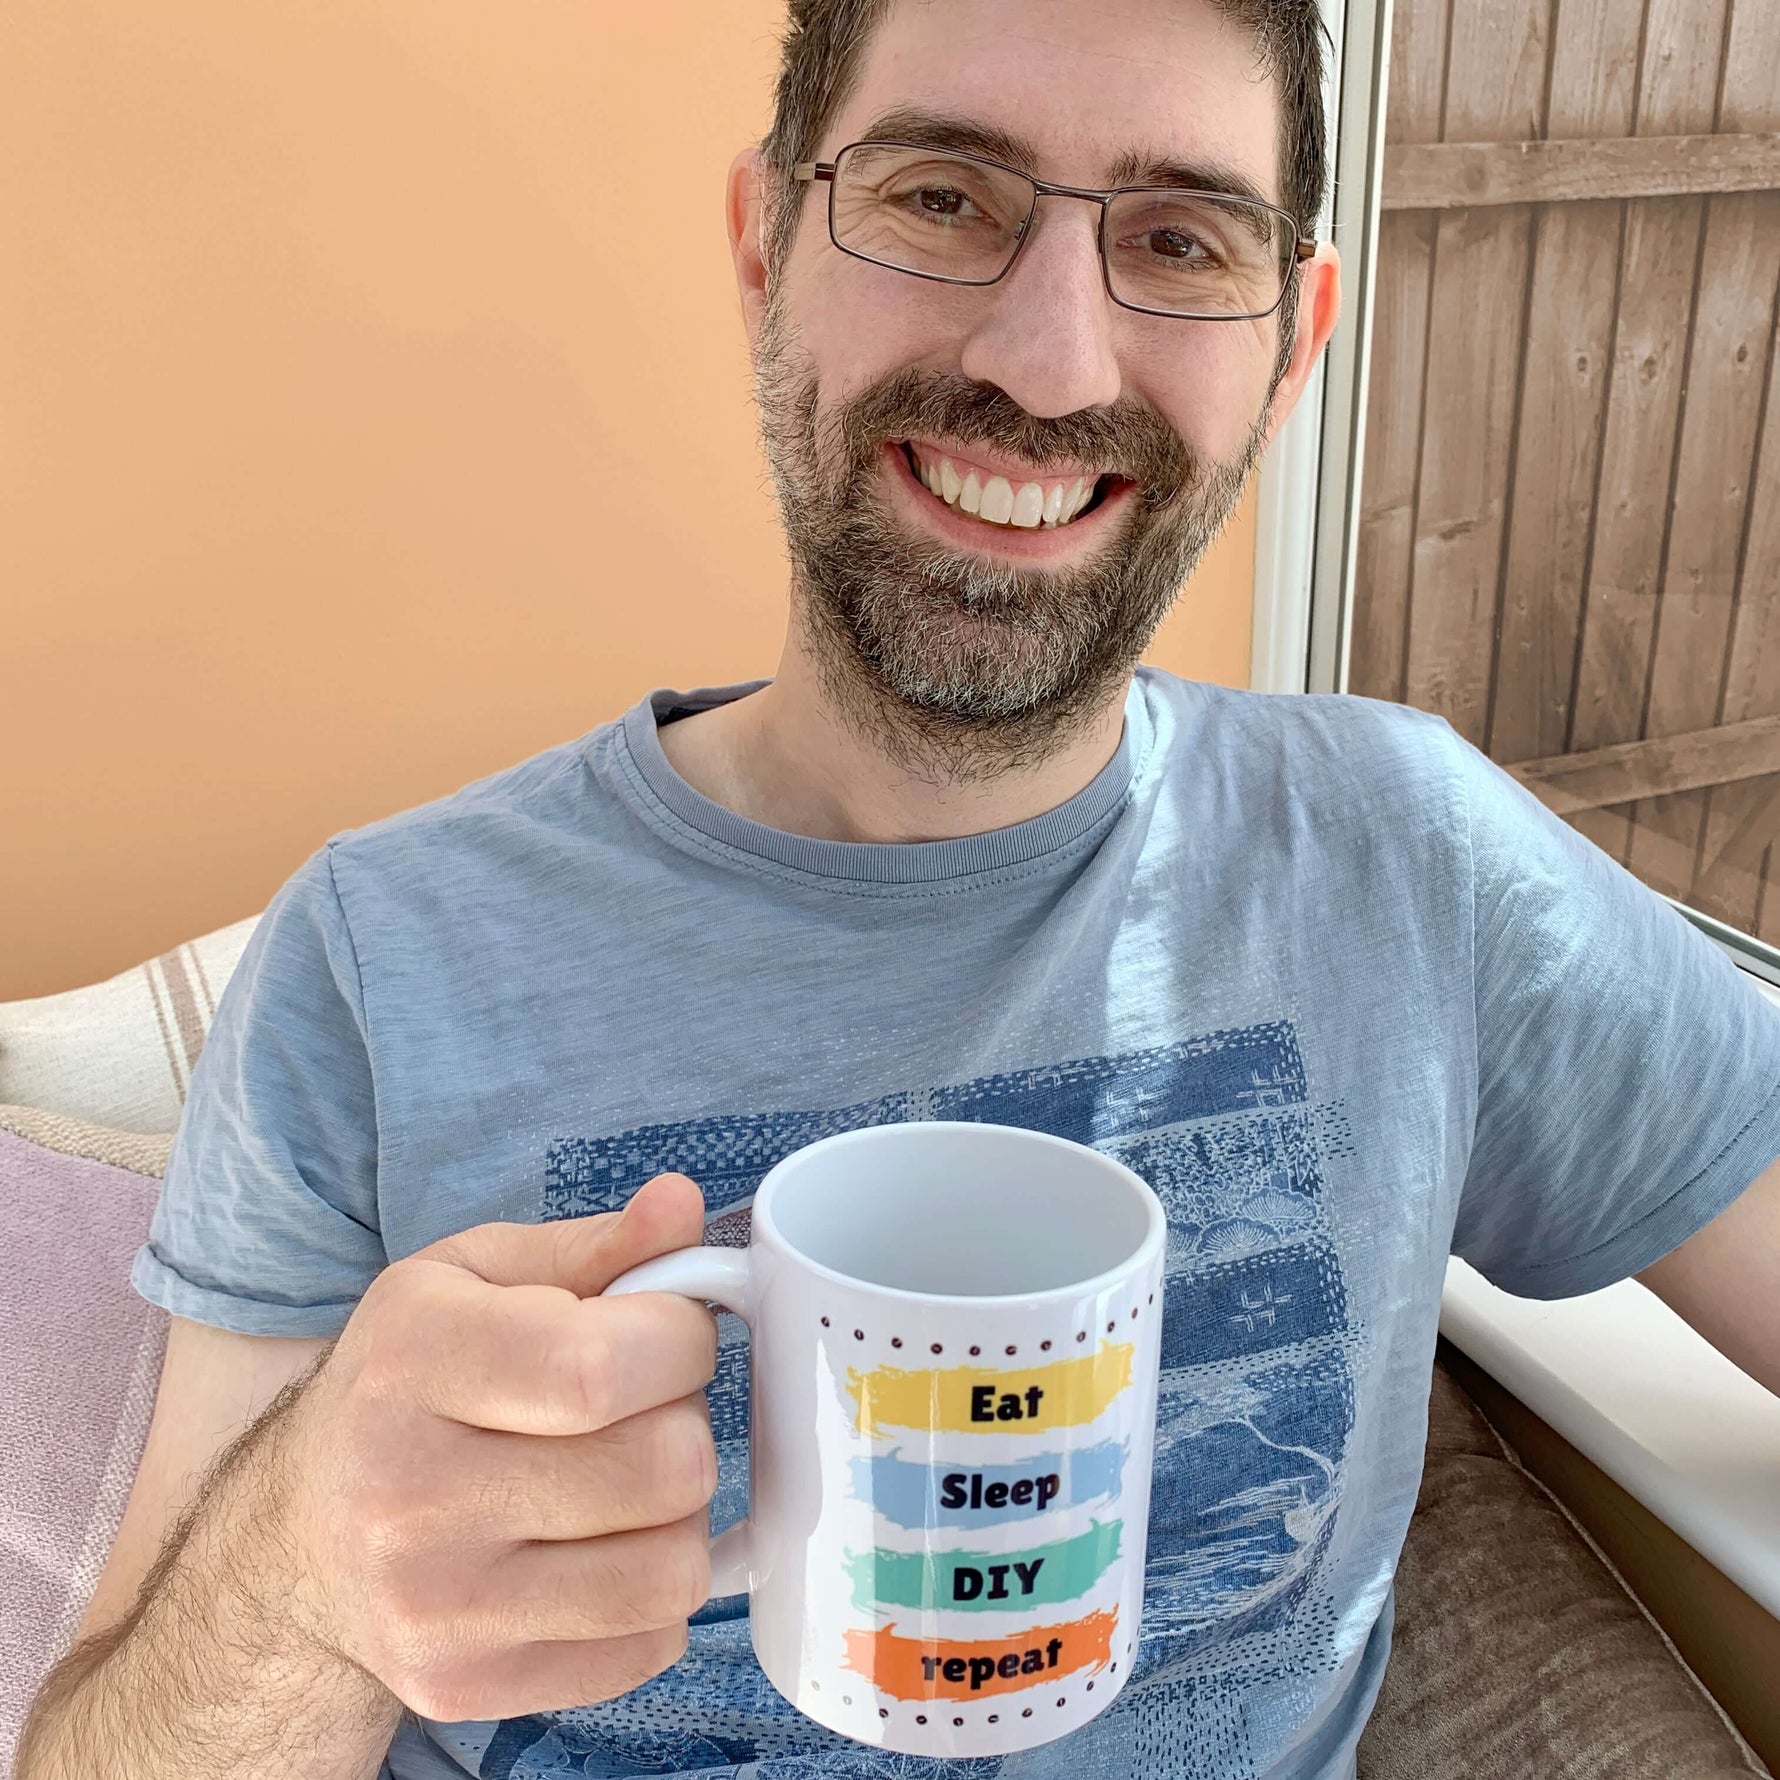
x=999 y=502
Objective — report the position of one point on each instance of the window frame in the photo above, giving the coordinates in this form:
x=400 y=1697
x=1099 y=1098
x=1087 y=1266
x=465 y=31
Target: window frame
x=1307 y=519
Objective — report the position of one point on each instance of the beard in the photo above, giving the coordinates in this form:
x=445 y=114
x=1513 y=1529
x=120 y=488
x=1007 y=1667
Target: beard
x=963 y=667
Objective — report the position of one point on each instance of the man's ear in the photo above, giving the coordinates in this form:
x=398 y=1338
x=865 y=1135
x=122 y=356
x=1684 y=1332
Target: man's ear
x=1319 y=307
x=742 y=212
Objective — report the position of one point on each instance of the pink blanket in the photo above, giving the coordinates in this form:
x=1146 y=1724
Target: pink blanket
x=80 y=1358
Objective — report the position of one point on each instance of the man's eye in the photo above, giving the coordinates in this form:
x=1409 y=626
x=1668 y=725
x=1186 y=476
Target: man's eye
x=1174 y=244
x=935 y=200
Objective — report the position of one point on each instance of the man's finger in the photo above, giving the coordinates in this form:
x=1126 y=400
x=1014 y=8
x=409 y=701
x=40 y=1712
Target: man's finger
x=537 y=1360
x=644 y=1471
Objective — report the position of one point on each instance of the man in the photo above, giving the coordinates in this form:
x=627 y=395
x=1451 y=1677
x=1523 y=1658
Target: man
x=1339 y=989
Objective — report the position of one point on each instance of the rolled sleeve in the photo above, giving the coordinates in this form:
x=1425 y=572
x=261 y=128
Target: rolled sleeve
x=268 y=1220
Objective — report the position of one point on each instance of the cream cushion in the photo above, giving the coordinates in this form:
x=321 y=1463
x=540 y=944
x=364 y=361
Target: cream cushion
x=119 y=1054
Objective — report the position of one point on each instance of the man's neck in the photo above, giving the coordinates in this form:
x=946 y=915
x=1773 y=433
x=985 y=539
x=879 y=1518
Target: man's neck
x=786 y=758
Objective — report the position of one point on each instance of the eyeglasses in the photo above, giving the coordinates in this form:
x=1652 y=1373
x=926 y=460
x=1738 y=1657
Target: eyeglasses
x=962 y=219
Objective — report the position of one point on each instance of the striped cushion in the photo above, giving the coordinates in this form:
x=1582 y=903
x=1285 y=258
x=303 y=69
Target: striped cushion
x=120 y=1053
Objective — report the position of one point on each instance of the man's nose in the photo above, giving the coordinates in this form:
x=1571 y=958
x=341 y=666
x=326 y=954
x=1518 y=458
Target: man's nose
x=1044 y=333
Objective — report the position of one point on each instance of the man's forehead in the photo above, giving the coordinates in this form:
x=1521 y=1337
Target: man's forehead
x=1150 y=92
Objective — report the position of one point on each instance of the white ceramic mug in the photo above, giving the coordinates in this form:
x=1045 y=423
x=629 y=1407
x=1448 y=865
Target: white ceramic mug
x=956 y=1343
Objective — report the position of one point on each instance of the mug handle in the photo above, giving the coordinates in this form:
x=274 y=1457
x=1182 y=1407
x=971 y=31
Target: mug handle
x=722 y=1276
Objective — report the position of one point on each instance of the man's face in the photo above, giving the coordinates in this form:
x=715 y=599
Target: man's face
x=961 y=639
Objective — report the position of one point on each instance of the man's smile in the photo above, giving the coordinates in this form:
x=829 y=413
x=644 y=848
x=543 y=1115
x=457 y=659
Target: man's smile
x=1093 y=502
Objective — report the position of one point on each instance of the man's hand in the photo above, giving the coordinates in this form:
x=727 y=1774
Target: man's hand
x=495 y=1489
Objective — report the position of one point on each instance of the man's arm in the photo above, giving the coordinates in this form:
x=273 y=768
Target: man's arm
x=215 y=1384
x=490 y=1499
x=208 y=1675
x=1725 y=1280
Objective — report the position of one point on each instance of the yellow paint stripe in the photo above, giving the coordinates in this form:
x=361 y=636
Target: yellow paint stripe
x=977 y=1400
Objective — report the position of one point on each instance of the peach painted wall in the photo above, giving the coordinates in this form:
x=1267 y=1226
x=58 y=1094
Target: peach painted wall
x=355 y=439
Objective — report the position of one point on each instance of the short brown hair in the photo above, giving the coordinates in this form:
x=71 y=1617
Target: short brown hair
x=823 y=50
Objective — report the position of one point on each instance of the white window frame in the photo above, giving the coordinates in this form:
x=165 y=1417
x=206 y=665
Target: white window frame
x=1309 y=488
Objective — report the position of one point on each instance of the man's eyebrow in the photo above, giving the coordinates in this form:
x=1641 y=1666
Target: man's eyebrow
x=966 y=135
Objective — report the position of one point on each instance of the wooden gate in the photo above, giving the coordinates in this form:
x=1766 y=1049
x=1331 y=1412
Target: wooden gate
x=1570 y=507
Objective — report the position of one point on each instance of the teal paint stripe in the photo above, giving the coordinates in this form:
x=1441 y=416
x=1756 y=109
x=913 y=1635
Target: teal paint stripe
x=984 y=1581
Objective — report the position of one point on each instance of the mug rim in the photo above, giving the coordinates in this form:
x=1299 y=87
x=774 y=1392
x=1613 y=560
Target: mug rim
x=764 y=1228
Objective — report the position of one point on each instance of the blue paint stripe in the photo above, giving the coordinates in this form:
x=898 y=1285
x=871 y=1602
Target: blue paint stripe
x=909 y=1494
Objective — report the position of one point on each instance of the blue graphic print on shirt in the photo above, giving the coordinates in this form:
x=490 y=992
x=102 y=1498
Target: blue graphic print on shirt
x=1255 y=1407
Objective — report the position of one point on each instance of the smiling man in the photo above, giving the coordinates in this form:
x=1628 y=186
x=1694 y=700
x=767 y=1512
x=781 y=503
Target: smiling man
x=995 y=480
x=1028 y=290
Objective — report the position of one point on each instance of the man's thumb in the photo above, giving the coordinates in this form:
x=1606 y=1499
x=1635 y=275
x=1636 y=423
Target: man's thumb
x=584 y=1255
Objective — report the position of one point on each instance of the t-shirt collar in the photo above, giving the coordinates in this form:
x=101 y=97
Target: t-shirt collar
x=884 y=862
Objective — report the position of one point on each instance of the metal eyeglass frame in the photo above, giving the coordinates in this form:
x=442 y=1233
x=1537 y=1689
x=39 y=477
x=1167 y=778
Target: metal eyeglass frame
x=1302 y=250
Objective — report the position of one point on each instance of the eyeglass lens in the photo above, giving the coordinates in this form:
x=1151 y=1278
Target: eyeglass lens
x=1179 y=253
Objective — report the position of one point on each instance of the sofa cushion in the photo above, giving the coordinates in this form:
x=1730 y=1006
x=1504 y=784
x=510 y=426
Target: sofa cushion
x=1518 y=1653
x=138 y=1152
x=120 y=1053
x=81 y=1356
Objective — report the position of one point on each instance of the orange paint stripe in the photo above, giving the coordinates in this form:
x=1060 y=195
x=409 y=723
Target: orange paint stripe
x=915 y=1668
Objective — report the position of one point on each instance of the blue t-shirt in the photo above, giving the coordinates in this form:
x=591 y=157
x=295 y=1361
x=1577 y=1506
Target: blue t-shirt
x=1347 y=996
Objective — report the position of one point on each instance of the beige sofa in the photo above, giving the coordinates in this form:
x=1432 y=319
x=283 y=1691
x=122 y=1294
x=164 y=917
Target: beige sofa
x=1519 y=1648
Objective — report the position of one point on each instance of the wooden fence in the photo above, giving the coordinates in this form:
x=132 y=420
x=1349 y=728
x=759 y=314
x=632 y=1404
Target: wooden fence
x=1570 y=526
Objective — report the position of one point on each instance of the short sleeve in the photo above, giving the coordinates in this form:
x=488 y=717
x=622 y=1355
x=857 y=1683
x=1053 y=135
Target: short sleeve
x=1628 y=1073
x=267 y=1222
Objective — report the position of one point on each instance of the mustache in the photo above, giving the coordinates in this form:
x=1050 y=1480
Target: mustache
x=1127 y=439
